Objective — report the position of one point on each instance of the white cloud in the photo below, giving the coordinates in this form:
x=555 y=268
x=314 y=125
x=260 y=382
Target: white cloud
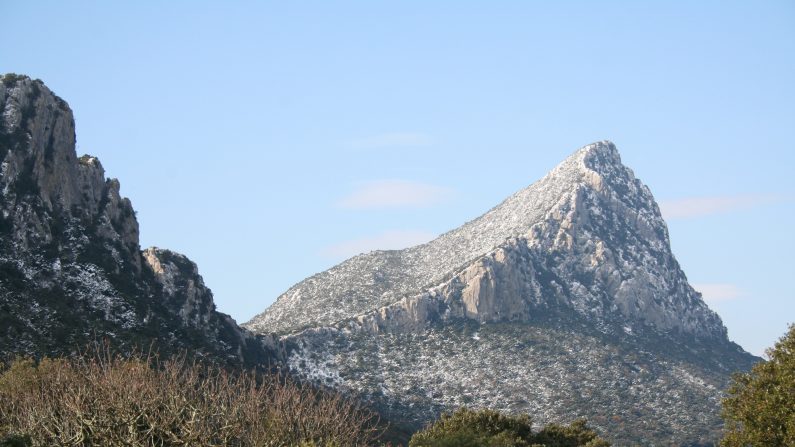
x=718 y=292
x=388 y=240
x=690 y=207
x=395 y=194
x=394 y=139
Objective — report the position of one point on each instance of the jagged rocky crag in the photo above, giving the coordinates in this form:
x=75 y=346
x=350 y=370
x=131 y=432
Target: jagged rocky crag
x=71 y=269
x=563 y=301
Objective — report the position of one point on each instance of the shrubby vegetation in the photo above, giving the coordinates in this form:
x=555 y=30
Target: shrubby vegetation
x=488 y=428
x=9 y=79
x=760 y=406
x=104 y=399
x=99 y=398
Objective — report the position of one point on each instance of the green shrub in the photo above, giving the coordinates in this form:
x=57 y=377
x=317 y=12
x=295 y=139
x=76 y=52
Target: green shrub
x=489 y=428
x=760 y=406
x=11 y=440
x=9 y=79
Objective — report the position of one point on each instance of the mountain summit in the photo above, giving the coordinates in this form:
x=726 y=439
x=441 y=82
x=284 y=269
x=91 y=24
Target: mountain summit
x=562 y=301
x=595 y=240
x=71 y=268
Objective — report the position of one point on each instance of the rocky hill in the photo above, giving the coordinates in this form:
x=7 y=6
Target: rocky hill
x=563 y=301
x=71 y=269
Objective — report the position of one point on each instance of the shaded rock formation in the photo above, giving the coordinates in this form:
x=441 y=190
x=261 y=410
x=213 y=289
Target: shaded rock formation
x=71 y=268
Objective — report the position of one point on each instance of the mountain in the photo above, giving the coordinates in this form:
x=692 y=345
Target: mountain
x=563 y=301
x=71 y=268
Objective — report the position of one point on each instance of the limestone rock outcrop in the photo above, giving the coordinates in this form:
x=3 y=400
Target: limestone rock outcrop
x=588 y=236
x=563 y=301
x=71 y=268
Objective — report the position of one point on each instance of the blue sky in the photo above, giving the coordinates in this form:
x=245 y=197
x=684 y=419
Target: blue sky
x=270 y=140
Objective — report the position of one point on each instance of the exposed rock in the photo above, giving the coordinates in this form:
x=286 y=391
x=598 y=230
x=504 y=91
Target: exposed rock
x=71 y=269
x=563 y=301
x=593 y=236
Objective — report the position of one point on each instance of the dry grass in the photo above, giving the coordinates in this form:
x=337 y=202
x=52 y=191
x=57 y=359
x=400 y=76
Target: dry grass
x=102 y=399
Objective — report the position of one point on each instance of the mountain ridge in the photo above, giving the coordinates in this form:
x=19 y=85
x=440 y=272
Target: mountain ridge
x=564 y=301
x=71 y=268
x=397 y=273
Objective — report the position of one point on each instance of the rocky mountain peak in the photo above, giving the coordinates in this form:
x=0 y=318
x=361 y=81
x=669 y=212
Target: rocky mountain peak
x=71 y=268
x=44 y=184
x=599 y=157
x=598 y=154
x=589 y=232
x=39 y=128
x=563 y=301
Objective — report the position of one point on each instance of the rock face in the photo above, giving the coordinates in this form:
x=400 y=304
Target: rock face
x=592 y=239
x=563 y=301
x=71 y=269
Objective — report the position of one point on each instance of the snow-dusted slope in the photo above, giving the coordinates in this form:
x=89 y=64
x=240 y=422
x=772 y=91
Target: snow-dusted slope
x=590 y=204
x=635 y=389
x=563 y=301
x=71 y=269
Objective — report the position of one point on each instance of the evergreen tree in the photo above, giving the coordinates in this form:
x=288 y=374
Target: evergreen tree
x=489 y=428
x=760 y=407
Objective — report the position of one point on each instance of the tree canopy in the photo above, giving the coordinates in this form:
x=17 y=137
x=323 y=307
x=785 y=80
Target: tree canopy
x=489 y=428
x=760 y=406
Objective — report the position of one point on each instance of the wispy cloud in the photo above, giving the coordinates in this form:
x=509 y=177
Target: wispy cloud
x=392 y=139
x=690 y=207
x=388 y=240
x=395 y=194
x=718 y=292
